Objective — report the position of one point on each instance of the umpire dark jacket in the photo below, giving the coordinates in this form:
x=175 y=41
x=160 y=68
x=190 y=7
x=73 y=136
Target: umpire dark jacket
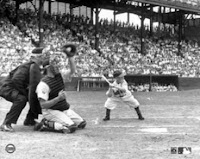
x=24 y=79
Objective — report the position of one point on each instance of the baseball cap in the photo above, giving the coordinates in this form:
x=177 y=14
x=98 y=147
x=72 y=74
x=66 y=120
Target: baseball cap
x=119 y=73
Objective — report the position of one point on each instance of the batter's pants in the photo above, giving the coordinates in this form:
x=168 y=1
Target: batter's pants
x=112 y=102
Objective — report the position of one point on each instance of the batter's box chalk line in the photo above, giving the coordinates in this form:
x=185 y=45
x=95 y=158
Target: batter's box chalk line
x=194 y=117
x=154 y=130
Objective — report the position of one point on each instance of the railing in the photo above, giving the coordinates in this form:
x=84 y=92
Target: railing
x=97 y=83
x=92 y=83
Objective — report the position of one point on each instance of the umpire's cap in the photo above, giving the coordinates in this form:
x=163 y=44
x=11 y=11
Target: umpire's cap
x=119 y=73
x=37 y=51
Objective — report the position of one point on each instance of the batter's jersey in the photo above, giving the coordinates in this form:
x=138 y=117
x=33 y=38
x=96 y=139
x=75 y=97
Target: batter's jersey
x=119 y=97
x=117 y=93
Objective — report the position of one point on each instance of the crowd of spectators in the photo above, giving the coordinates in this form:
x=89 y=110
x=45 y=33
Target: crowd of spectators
x=155 y=87
x=14 y=47
x=119 y=49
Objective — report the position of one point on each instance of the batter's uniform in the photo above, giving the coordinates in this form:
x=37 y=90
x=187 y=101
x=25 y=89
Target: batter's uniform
x=118 y=97
x=61 y=113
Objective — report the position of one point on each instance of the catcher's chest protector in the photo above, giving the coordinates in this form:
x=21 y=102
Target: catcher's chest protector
x=56 y=84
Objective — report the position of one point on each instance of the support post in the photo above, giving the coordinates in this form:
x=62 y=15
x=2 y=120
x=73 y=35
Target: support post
x=49 y=7
x=151 y=21
x=41 y=30
x=97 y=27
x=142 y=30
x=180 y=32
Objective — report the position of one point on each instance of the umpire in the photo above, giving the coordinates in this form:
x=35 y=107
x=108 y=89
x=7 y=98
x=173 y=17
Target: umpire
x=19 y=87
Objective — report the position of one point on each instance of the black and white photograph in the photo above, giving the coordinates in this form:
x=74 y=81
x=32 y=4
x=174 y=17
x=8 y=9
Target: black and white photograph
x=99 y=79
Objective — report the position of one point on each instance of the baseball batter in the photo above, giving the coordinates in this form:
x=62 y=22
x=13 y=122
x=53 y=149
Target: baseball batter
x=118 y=93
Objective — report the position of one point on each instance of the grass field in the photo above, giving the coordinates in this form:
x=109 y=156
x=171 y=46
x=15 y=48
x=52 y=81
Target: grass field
x=172 y=119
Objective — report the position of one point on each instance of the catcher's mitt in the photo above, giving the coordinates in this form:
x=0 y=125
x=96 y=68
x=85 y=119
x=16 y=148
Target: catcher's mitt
x=69 y=50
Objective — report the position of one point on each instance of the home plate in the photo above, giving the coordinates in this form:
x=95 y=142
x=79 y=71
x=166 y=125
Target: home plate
x=154 y=130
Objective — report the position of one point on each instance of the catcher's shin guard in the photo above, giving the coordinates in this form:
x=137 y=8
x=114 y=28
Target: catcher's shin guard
x=140 y=117
x=57 y=127
x=46 y=125
x=52 y=126
x=107 y=117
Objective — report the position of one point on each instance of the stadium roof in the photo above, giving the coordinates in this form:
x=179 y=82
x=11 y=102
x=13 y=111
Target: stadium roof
x=135 y=7
x=192 y=6
x=109 y=4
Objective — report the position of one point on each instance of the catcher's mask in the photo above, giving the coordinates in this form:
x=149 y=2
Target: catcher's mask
x=56 y=61
x=59 y=59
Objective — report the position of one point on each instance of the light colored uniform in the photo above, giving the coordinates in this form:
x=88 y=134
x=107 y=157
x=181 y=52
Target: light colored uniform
x=119 y=98
x=66 y=118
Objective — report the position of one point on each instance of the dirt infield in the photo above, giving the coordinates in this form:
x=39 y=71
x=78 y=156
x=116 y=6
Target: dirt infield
x=172 y=119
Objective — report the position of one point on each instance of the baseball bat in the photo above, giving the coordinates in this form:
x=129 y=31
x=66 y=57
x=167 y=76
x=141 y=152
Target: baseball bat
x=105 y=79
x=108 y=81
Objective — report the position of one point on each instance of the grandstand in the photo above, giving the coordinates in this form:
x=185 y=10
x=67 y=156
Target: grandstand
x=120 y=44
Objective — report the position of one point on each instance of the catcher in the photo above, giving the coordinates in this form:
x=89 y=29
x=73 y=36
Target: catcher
x=52 y=96
x=118 y=93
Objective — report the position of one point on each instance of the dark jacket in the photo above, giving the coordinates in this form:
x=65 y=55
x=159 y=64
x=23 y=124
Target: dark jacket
x=19 y=78
x=25 y=79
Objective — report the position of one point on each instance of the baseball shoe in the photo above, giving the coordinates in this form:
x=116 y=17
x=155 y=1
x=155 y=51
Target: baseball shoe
x=39 y=126
x=69 y=129
x=65 y=130
x=29 y=122
x=107 y=115
x=7 y=128
x=106 y=118
x=82 y=124
x=141 y=118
